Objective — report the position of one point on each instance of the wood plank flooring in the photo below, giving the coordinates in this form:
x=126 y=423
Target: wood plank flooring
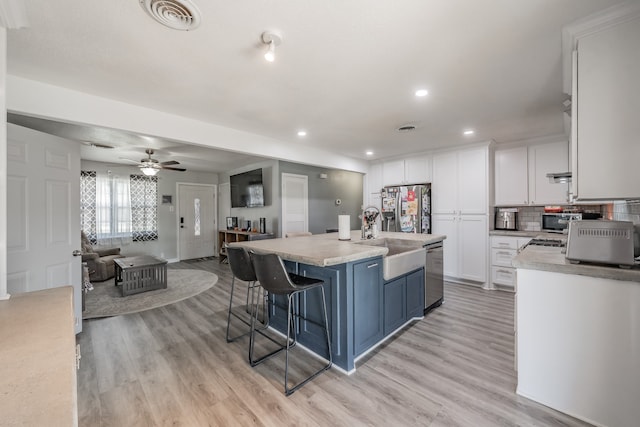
x=171 y=366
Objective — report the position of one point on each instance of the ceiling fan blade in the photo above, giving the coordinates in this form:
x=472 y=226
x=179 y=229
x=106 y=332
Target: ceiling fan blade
x=169 y=162
x=173 y=169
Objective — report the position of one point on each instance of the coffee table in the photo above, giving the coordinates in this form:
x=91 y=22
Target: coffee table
x=140 y=274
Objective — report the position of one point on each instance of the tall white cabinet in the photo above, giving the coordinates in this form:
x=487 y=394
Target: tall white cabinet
x=460 y=204
x=605 y=107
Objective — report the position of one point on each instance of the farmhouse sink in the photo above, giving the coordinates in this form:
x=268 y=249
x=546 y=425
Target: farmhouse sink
x=403 y=256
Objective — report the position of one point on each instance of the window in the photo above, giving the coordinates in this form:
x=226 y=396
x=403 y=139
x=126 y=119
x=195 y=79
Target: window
x=196 y=217
x=118 y=208
x=144 y=207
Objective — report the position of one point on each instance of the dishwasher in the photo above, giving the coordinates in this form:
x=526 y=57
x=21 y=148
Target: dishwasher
x=433 y=277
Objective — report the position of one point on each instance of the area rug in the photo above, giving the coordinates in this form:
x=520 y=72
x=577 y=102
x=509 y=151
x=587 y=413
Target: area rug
x=106 y=299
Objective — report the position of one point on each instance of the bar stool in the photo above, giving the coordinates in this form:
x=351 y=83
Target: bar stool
x=242 y=269
x=274 y=278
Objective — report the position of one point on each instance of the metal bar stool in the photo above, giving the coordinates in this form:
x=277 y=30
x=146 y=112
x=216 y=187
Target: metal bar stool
x=242 y=269
x=274 y=278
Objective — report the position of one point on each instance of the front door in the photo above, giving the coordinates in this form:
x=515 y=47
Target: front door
x=196 y=220
x=43 y=213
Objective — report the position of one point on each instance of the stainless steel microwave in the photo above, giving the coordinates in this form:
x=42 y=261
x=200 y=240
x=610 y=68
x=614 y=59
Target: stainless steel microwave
x=558 y=222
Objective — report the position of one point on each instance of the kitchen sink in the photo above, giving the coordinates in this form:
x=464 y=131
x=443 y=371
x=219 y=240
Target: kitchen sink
x=403 y=256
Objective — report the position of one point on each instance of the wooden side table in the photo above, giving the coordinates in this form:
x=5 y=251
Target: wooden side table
x=228 y=236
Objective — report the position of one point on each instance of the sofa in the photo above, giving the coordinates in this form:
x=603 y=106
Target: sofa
x=99 y=261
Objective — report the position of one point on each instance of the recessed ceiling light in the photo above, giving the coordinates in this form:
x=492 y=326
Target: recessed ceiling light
x=302 y=133
x=468 y=132
x=422 y=92
x=369 y=153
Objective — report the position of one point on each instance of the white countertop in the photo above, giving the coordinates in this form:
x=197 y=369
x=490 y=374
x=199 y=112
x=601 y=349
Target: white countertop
x=37 y=359
x=553 y=259
x=522 y=233
x=326 y=249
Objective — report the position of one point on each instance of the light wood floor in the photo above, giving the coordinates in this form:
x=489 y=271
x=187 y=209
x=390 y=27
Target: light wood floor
x=172 y=366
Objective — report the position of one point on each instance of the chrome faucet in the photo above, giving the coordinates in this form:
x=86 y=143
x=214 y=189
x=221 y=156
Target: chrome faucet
x=369 y=216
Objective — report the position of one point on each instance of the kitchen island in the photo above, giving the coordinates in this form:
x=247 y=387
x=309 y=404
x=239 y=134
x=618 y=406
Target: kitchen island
x=578 y=336
x=362 y=307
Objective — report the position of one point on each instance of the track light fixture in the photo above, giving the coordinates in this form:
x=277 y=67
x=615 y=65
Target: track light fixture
x=271 y=39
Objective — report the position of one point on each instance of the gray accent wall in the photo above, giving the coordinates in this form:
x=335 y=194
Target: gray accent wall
x=271 y=209
x=323 y=193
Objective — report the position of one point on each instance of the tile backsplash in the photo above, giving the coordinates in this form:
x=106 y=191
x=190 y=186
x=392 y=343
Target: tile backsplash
x=625 y=210
x=530 y=217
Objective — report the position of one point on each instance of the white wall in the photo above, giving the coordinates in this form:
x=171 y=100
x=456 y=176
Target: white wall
x=39 y=99
x=167 y=244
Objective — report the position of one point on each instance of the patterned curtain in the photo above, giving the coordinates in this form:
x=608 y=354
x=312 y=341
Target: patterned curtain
x=88 y=205
x=144 y=207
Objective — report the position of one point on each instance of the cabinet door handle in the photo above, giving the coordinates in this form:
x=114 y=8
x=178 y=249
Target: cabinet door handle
x=503 y=253
x=372 y=265
x=503 y=244
x=503 y=271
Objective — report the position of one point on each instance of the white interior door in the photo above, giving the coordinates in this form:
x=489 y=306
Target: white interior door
x=43 y=214
x=295 y=203
x=196 y=220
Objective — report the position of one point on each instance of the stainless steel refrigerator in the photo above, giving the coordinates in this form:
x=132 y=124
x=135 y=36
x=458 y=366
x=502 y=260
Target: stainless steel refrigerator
x=407 y=208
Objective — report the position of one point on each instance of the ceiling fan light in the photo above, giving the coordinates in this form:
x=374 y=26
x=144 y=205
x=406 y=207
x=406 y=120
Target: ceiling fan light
x=149 y=171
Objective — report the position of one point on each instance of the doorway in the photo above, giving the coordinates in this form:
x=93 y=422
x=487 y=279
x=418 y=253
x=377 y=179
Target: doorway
x=197 y=222
x=295 y=203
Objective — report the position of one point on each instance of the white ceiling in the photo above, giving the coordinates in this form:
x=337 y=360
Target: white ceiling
x=345 y=72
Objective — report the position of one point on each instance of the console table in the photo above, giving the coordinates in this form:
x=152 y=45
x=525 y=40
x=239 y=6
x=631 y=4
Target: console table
x=228 y=236
x=140 y=274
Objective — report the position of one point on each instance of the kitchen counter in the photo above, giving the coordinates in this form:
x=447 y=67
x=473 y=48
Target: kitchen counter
x=577 y=341
x=553 y=259
x=363 y=309
x=37 y=359
x=324 y=250
x=538 y=234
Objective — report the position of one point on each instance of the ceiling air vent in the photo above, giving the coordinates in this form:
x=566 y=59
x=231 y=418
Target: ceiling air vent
x=406 y=128
x=177 y=14
x=97 y=145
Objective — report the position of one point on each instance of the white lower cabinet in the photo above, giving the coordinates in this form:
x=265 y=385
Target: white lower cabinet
x=465 y=248
x=503 y=250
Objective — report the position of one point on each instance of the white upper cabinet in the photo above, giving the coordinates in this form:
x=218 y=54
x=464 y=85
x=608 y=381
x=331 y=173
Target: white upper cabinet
x=512 y=181
x=605 y=104
x=521 y=174
x=460 y=182
x=544 y=159
x=415 y=170
x=393 y=172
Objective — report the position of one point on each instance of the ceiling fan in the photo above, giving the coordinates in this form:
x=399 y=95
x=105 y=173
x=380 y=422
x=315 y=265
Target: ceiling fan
x=151 y=166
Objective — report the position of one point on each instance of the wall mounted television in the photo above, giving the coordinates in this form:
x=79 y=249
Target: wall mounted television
x=247 y=190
